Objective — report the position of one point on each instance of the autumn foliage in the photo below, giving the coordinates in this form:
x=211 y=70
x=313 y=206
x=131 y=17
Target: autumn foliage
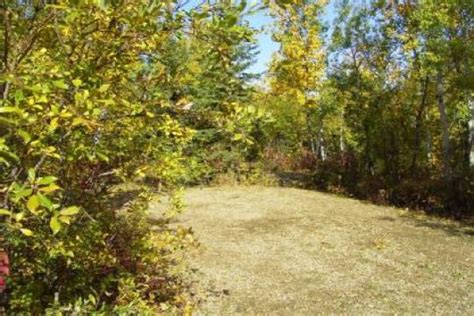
x=94 y=94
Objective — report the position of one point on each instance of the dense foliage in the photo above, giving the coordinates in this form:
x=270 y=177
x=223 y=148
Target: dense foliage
x=389 y=120
x=94 y=94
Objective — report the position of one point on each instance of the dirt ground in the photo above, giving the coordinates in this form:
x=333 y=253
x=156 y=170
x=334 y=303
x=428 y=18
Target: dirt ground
x=283 y=251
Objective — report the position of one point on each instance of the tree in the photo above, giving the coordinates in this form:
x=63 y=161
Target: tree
x=221 y=48
x=392 y=107
x=297 y=68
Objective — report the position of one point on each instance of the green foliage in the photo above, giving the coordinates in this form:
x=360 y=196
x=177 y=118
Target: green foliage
x=223 y=112
x=296 y=75
x=393 y=107
x=89 y=101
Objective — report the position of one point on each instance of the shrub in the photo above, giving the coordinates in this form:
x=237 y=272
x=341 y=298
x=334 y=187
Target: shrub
x=81 y=112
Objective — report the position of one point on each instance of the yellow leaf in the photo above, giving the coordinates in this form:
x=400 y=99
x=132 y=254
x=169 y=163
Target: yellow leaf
x=78 y=121
x=5 y=212
x=19 y=216
x=103 y=88
x=33 y=203
x=77 y=82
x=72 y=210
x=50 y=188
x=42 y=99
x=65 y=219
x=26 y=232
x=53 y=124
x=54 y=225
x=237 y=137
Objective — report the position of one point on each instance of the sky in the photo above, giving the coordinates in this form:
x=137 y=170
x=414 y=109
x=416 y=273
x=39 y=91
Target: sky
x=266 y=46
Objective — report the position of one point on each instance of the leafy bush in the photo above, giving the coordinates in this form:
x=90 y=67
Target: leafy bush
x=81 y=112
x=119 y=259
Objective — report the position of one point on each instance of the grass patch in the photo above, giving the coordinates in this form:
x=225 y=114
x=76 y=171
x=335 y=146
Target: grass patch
x=282 y=250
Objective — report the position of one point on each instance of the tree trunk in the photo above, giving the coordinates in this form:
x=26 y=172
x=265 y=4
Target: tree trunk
x=313 y=141
x=342 y=145
x=320 y=150
x=418 y=126
x=446 y=144
x=471 y=132
x=429 y=147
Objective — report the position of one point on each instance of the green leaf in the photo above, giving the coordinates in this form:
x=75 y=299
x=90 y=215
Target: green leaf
x=31 y=175
x=46 y=180
x=23 y=192
x=60 y=84
x=26 y=232
x=55 y=225
x=19 y=96
x=102 y=157
x=33 y=203
x=44 y=201
x=5 y=122
x=8 y=157
x=92 y=299
x=231 y=20
x=72 y=210
x=10 y=109
x=24 y=135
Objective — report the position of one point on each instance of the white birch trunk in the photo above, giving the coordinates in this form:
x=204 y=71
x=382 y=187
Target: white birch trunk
x=471 y=132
